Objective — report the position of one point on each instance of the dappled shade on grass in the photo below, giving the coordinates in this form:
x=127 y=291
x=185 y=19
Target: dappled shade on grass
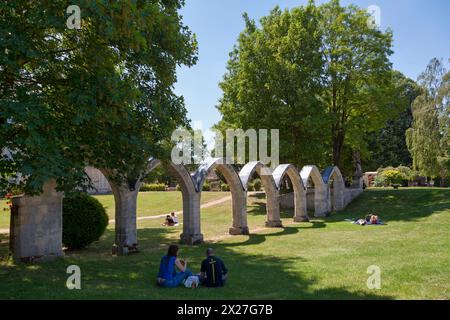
x=325 y=259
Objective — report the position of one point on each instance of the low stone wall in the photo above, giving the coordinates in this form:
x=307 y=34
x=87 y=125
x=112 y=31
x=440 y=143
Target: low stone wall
x=287 y=199
x=351 y=194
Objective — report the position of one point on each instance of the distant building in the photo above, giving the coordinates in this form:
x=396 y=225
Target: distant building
x=369 y=178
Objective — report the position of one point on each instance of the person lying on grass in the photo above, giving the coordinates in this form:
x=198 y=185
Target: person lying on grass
x=213 y=271
x=168 y=277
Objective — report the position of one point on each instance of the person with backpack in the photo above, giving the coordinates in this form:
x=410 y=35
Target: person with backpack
x=168 y=277
x=213 y=271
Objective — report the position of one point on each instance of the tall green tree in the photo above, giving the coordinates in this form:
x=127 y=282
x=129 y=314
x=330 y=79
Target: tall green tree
x=428 y=139
x=387 y=146
x=358 y=75
x=100 y=95
x=320 y=74
x=273 y=82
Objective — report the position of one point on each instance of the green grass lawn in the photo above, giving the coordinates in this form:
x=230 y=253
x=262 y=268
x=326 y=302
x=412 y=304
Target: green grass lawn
x=149 y=204
x=325 y=259
x=4 y=215
x=157 y=203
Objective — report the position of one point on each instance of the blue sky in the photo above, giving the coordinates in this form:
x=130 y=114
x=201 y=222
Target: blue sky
x=421 y=31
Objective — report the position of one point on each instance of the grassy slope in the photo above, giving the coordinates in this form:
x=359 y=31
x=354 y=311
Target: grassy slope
x=324 y=259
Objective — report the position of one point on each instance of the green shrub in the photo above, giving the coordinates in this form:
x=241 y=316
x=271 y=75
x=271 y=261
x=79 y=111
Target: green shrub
x=206 y=186
x=153 y=187
x=224 y=187
x=84 y=220
x=178 y=187
x=380 y=181
x=251 y=186
x=257 y=185
x=393 y=177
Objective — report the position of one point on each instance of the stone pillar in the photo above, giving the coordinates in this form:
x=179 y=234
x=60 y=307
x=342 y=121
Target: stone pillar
x=125 y=219
x=191 y=219
x=240 y=224
x=321 y=202
x=301 y=213
x=36 y=226
x=273 y=209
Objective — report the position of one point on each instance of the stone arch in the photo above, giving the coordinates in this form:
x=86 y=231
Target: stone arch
x=191 y=203
x=334 y=180
x=279 y=173
x=272 y=193
x=238 y=194
x=320 y=190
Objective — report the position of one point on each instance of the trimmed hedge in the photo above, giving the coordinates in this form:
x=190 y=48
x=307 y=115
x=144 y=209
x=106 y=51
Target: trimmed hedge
x=153 y=187
x=84 y=220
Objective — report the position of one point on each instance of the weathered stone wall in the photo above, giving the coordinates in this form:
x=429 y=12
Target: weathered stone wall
x=36 y=226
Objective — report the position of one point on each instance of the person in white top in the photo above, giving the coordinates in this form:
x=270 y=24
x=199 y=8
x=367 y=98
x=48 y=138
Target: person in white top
x=174 y=218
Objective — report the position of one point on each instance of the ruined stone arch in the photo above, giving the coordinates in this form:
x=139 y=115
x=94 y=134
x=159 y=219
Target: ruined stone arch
x=272 y=193
x=320 y=189
x=238 y=194
x=191 y=203
x=291 y=171
x=334 y=181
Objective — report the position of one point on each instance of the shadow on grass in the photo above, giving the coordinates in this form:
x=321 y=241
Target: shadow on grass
x=396 y=205
x=252 y=276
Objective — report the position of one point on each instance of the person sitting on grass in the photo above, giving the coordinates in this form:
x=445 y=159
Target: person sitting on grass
x=168 y=277
x=213 y=271
x=174 y=218
x=169 y=221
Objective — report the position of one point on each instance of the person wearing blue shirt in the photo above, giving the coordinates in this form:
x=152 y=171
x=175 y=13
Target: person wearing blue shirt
x=168 y=277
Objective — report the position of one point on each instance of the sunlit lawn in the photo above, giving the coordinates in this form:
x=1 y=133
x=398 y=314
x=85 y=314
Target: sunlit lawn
x=149 y=204
x=325 y=259
x=158 y=203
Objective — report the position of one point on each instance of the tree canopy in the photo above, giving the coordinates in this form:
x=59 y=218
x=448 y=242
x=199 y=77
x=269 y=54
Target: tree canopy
x=428 y=139
x=320 y=74
x=100 y=95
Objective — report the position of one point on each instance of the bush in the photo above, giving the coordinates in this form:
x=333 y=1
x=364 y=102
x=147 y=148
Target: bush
x=257 y=185
x=153 y=187
x=225 y=187
x=251 y=186
x=84 y=220
x=380 y=181
x=206 y=187
x=178 y=187
x=393 y=177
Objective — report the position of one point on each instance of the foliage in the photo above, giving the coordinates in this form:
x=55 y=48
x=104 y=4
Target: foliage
x=393 y=177
x=273 y=81
x=317 y=73
x=206 y=186
x=380 y=181
x=153 y=187
x=225 y=187
x=101 y=95
x=257 y=184
x=387 y=146
x=84 y=220
x=429 y=140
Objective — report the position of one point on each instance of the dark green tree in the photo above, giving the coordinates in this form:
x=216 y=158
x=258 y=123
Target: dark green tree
x=320 y=74
x=274 y=80
x=100 y=95
x=387 y=146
